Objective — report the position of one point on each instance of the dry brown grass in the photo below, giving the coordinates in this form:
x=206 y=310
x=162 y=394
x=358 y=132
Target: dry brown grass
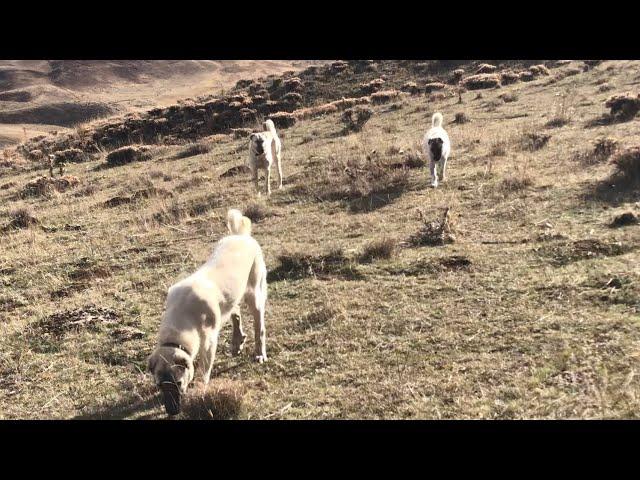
x=530 y=313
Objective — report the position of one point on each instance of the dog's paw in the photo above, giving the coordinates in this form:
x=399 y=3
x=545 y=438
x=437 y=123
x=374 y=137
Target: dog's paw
x=260 y=358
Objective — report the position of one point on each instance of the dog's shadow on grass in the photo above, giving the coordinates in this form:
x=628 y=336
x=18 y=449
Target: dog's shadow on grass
x=142 y=407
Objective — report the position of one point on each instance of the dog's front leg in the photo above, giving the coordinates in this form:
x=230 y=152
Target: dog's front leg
x=434 y=173
x=255 y=179
x=238 y=337
x=209 y=355
x=268 y=180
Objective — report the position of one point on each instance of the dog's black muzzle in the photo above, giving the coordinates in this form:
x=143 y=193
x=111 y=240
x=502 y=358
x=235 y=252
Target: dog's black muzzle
x=171 y=397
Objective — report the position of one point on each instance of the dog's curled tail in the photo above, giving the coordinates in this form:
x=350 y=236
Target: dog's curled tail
x=237 y=223
x=436 y=120
x=269 y=125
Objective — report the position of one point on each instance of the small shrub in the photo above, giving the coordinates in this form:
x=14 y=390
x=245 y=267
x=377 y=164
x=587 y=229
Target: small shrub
x=355 y=118
x=516 y=183
x=498 y=149
x=627 y=167
x=624 y=219
x=603 y=149
x=256 y=212
x=623 y=107
x=219 y=400
x=383 y=249
x=461 y=118
x=434 y=232
x=300 y=265
x=477 y=82
x=533 y=141
x=509 y=97
x=557 y=122
x=46 y=186
x=21 y=217
x=192 y=150
x=125 y=155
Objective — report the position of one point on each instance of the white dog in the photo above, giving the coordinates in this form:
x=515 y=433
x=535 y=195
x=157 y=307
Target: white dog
x=436 y=147
x=197 y=307
x=265 y=148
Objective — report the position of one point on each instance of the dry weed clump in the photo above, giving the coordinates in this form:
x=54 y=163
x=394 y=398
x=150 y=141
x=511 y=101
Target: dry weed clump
x=516 y=182
x=461 y=118
x=256 y=212
x=411 y=88
x=221 y=399
x=384 y=96
x=372 y=87
x=354 y=119
x=434 y=232
x=485 y=68
x=509 y=77
x=385 y=248
x=21 y=217
x=434 y=86
x=283 y=119
x=601 y=152
x=192 y=150
x=46 y=186
x=533 y=141
x=297 y=265
x=509 y=97
x=485 y=80
x=624 y=219
x=623 y=107
x=125 y=155
x=627 y=167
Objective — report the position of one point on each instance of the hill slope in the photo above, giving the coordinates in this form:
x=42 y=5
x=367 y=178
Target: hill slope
x=528 y=309
x=69 y=92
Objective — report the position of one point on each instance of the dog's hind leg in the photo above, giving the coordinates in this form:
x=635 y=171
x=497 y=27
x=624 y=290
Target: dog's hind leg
x=443 y=170
x=256 y=301
x=278 y=155
x=434 y=173
x=238 y=337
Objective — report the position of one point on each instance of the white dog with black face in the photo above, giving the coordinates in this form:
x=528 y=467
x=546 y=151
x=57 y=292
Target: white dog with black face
x=436 y=147
x=264 y=149
x=199 y=305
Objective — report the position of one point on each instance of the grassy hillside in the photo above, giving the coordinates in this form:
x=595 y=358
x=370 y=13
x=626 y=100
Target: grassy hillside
x=524 y=306
x=67 y=93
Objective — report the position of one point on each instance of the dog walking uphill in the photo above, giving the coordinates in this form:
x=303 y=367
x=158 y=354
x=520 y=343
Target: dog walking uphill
x=436 y=147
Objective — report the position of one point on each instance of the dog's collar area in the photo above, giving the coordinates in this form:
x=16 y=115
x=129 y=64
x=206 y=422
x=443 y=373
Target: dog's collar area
x=178 y=346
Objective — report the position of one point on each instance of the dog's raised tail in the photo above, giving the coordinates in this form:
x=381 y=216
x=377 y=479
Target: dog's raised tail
x=269 y=125
x=436 y=120
x=237 y=223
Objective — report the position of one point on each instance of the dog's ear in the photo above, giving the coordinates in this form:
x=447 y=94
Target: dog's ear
x=430 y=141
x=252 y=136
x=151 y=363
x=181 y=361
